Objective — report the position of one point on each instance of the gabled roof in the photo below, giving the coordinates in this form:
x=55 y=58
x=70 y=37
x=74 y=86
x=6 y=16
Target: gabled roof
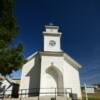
x=31 y=56
x=67 y=58
x=71 y=61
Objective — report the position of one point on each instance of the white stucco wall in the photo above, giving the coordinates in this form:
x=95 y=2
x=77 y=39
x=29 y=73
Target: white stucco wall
x=71 y=77
x=25 y=79
x=46 y=62
x=70 y=74
x=30 y=75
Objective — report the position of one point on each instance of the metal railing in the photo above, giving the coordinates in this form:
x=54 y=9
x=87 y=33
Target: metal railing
x=39 y=92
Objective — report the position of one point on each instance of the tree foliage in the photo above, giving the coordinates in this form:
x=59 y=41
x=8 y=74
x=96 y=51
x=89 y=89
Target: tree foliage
x=8 y=24
x=10 y=58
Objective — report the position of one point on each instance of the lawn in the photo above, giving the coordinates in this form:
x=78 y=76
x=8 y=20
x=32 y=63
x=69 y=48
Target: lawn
x=92 y=96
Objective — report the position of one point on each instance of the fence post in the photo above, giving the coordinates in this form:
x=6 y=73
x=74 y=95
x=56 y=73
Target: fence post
x=55 y=93
x=21 y=94
x=3 y=95
x=38 y=96
x=71 y=94
x=66 y=92
x=86 y=91
x=26 y=93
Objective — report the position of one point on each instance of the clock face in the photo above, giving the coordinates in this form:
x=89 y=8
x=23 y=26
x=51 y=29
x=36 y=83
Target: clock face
x=52 y=43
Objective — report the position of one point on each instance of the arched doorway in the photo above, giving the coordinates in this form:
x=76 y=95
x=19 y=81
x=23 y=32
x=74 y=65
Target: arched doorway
x=55 y=80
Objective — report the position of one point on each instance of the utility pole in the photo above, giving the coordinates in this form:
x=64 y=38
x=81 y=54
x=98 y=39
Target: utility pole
x=86 y=91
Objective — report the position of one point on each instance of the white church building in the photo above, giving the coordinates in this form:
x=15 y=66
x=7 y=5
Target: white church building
x=51 y=70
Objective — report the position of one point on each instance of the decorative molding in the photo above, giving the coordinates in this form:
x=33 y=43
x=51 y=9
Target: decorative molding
x=51 y=27
x=50 y=53
x=51 y=34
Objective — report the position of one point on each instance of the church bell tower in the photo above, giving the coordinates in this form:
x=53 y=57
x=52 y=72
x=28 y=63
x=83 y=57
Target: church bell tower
x=52 y=38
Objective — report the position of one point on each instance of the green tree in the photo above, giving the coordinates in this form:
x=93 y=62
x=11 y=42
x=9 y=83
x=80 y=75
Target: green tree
x=11 y=59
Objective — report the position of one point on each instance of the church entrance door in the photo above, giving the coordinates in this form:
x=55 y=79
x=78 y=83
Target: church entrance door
x=55 y=80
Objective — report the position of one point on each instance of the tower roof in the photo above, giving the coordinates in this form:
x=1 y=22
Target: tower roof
x=51 y=26
x=51 y=29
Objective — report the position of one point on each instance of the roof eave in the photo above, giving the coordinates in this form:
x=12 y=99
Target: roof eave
x=72 y=61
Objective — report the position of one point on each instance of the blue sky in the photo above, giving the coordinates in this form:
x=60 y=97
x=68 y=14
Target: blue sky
x=79 y=21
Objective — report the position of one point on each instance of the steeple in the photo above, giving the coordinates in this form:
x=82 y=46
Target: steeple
x=52 y=38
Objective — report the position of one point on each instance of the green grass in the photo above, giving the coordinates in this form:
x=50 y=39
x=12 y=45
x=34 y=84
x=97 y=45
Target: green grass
x=92 y=96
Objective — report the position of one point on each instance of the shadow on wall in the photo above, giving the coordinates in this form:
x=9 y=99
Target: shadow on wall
x=34 y=75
